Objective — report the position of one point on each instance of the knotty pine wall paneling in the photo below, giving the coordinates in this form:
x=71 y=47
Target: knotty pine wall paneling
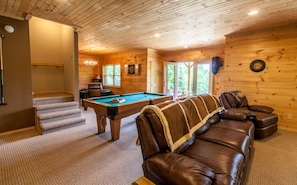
x=87 y=73
x=276 y=86
x=155 y=71
x=129 y=83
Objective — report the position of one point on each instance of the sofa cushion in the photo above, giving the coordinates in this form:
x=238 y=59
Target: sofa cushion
x=240 y=97
x=157 y=129
x=206 y=104
x=261 y=108
x=145 y=133
x=224 y=161
x=178 y=121
x=229 y=138
x=239 y=114
x=173 y=122
x=228 y=100
x=178 y=169
x=210 y=101
x=263 y=119
x=246 y=127
x=193 y=115
x=196 y=120
x=265 y=132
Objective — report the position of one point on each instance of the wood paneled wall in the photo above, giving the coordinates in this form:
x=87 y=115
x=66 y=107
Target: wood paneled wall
x=194 y=55
x=87 y=73
x=155 y=71
x=276 y=86
x=129 y=83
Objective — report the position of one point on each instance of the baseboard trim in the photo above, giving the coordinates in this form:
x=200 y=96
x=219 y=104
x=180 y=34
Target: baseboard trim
x=17 y=130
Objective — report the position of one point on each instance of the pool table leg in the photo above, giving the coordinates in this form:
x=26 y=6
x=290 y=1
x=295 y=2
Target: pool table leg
x=115 y=129
x=101 y=122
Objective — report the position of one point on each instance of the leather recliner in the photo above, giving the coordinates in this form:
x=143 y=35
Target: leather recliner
x=265 y=121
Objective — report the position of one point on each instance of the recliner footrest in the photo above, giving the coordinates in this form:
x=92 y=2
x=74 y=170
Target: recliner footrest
x=261 y=133
x=263 y=119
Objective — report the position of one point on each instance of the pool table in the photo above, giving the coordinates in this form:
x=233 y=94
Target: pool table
x=130 y=104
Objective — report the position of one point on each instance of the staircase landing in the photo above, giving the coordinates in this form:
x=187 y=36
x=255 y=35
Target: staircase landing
x=56 y=111
x=47 y=98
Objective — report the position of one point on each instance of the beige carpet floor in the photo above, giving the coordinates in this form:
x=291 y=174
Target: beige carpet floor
x=80 y=156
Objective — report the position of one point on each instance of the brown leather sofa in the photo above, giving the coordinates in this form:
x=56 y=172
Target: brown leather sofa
x=186 y=142
x=264 y=119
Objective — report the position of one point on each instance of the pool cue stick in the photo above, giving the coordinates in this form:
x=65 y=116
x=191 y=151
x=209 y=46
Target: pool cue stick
x=1 y=73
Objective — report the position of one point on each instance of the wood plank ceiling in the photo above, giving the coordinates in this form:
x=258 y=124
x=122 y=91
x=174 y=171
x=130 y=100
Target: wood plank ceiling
x=109 y=26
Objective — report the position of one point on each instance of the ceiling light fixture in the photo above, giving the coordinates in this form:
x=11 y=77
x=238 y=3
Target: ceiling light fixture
x=157 y=35
x=254 y=12
x=9 y=28
x=90 y=62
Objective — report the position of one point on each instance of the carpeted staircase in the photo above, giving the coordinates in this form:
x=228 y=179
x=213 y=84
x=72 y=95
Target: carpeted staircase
x=54 y=113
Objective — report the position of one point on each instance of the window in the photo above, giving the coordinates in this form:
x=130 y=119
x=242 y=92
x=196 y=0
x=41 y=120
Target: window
x=188 y=78
x=112 y=75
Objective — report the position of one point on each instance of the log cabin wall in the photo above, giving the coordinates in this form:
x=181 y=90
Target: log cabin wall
x=87 y=73
x=129 y=83
x=155 y=71
x=276 y=85
x=199 y=55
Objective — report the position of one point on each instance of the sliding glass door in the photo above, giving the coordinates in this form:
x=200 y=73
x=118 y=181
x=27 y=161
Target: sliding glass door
x=184 y=79
x=170 y=79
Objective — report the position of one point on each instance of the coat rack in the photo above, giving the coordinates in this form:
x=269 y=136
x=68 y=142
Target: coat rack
x=2 y=102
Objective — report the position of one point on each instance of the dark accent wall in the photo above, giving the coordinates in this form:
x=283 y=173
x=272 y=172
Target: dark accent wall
x=19 y=112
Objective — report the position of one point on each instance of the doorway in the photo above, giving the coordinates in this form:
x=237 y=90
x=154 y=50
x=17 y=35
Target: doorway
x=182 y=79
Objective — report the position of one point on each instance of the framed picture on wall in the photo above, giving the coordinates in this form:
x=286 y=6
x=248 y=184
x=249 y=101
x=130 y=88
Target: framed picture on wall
x=132 y=69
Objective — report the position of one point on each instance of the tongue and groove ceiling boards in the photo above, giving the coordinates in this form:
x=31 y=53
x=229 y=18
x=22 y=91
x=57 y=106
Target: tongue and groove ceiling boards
x=109 y=26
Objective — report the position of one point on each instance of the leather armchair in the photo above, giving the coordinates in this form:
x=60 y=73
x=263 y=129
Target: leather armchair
x=265 y=121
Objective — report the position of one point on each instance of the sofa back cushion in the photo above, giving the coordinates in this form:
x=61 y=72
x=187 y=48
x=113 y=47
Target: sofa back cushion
x=170 y=124
x=233 y=99
x=175 y=123
x=240 y=97
x=228 y=100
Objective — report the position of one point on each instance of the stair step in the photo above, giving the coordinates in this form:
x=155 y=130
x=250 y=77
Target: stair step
x=56 y=107
x=60 y=125
x=50 y=100
x=56 y=116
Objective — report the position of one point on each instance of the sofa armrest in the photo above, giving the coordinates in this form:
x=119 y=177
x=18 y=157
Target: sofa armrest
x=236 y=114
x=173 y=168
x=261 y=108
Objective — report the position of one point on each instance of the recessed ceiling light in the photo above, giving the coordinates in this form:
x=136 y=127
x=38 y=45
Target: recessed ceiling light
x=157 y=35
x=254 y=12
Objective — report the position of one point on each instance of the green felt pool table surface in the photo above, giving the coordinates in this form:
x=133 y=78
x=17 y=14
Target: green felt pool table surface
x=129 y=98
x=134 y=102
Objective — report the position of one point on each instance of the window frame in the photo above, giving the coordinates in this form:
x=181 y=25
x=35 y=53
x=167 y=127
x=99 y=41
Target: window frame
x=194 y=79
x=113 y=75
